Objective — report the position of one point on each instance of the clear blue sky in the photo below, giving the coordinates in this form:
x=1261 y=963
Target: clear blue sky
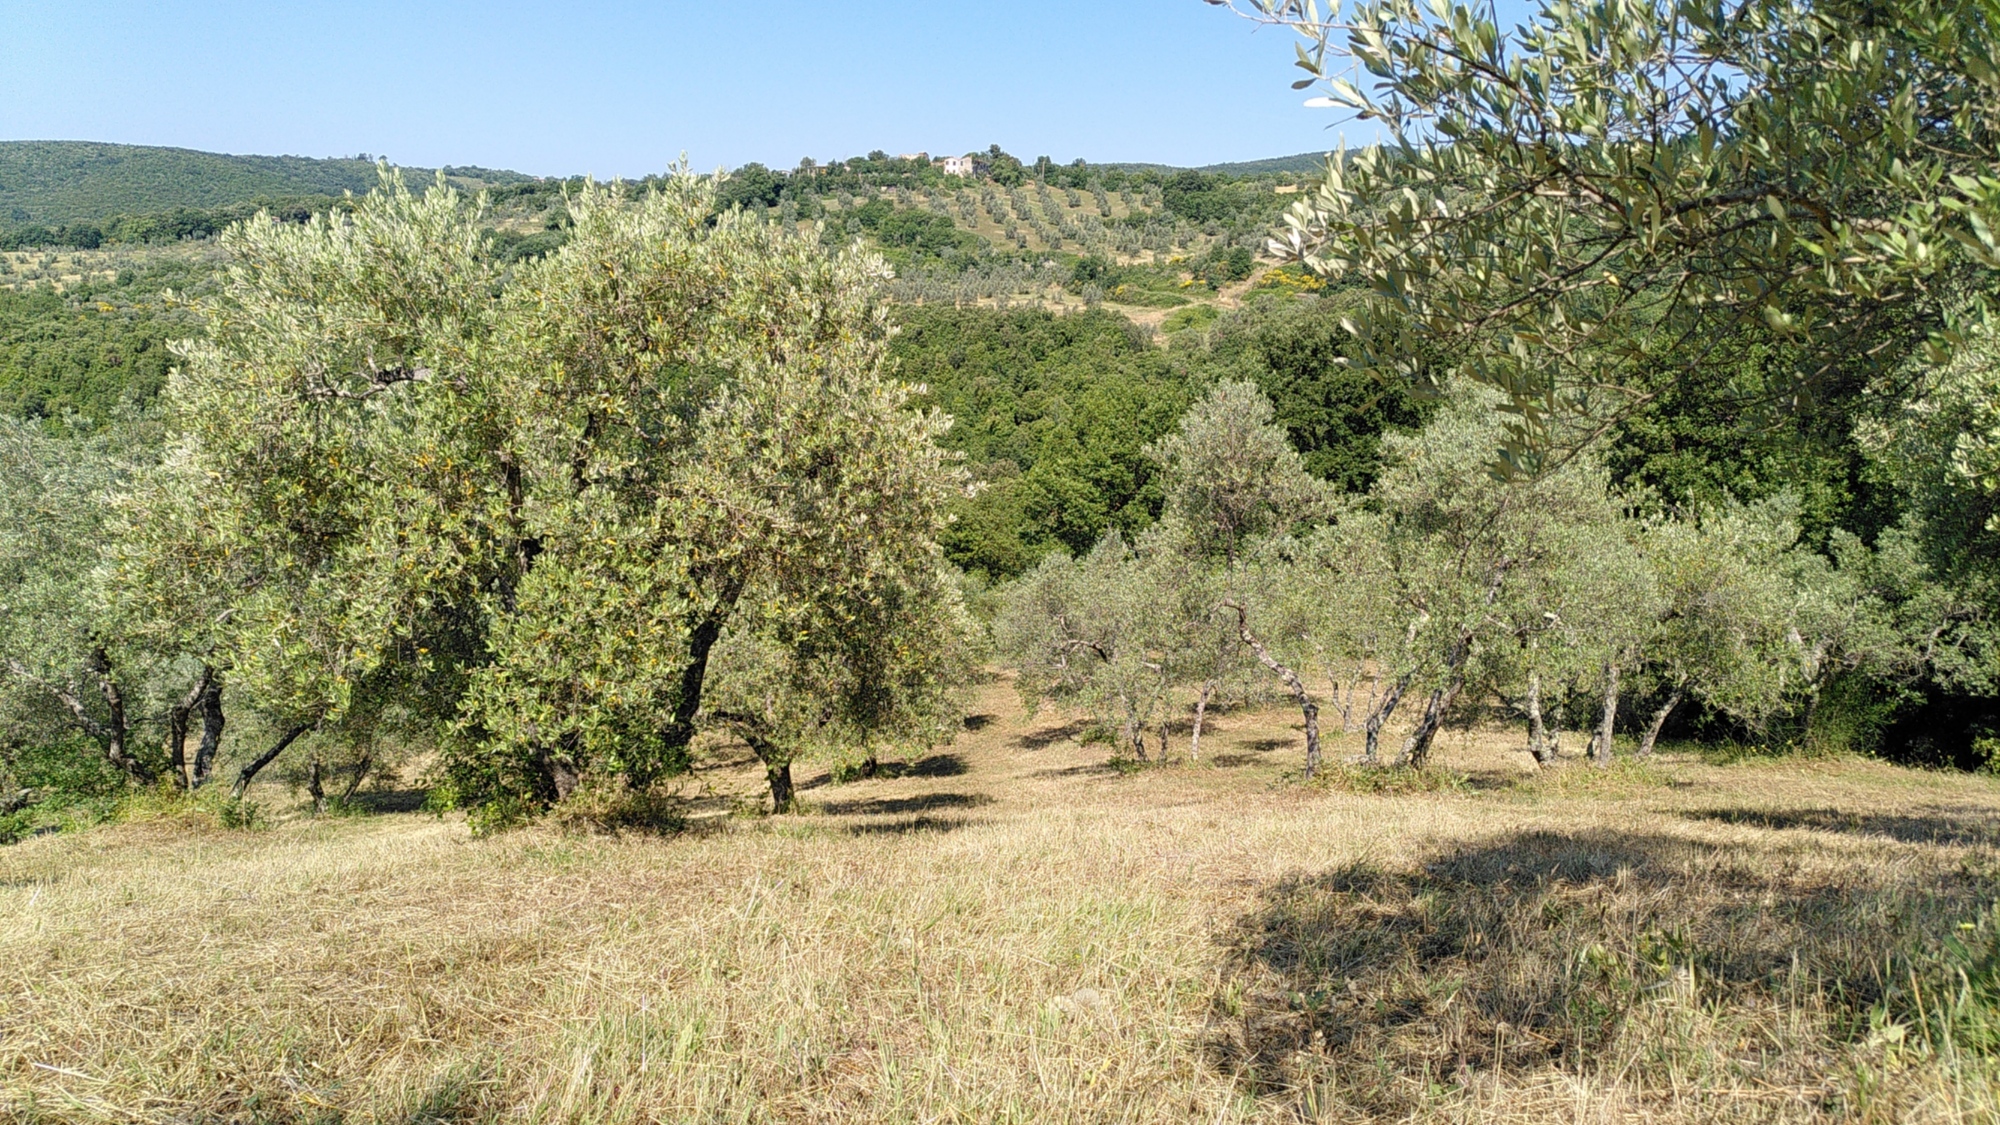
x=622 y=87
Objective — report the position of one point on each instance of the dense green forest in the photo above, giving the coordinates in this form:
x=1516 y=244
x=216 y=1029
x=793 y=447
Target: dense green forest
x=55 y=183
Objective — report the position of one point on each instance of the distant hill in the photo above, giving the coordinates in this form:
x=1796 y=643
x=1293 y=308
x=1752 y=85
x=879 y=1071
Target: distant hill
x=51 y=182
x=1303 y=162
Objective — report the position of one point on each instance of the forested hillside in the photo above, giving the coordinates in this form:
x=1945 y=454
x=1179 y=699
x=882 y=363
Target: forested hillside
x=1035 y=235
x=54 y=183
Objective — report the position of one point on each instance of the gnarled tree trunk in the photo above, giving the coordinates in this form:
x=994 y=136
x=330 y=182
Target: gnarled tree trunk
x=777 y=763
x=1539 y=747
x=354 y=783
x=680 y=730
x=1378 y=715
x=1417 y=747
x=778 y=775
x=1667 y=706
x=1290 y=679
x=1200 y=713
x=1609 y=719
x=178 y=717
x=1130 y=732
x=114 y=732
x=211 y=734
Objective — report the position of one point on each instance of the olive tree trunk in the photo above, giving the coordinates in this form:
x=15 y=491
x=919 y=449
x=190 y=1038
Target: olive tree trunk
x=1667 y=706
x=1378 y=715
x=1200 y=713
x=315 y=788
x=777 y=762
x=1539 y=746
x=354 y=783
x=114 y=731
x=1417 y=747
x=212 y=720
x=1290 y=679
x=178 y=717
x=1609 y=718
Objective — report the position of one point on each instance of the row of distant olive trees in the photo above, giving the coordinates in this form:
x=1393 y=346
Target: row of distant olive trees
x=555 y=518
x=1446 y=591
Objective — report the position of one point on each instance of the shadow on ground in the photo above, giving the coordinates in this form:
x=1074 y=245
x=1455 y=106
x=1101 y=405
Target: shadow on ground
x=1541 y=949
x=889 y=806
x=1087 y=769
x=1048 y=736
x=390 y=800
x=1924 y=826
x=912 y=825
x=936 y=765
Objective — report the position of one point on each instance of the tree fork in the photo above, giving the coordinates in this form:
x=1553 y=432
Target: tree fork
x=1417 y=748
x=118 y=745
x=1378 y=715
x=178 y=717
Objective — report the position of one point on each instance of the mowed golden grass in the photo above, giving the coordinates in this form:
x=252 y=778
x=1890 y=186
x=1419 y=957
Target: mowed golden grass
x=1011 y=930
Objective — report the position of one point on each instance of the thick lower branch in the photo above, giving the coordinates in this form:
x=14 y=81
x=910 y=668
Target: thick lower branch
x=249 y=772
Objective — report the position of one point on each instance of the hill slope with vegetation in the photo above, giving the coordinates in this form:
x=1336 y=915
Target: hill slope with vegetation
x=62 y=182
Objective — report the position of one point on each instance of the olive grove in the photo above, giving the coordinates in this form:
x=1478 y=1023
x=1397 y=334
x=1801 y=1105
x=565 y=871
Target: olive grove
x=1450 y=592
x=556 y=517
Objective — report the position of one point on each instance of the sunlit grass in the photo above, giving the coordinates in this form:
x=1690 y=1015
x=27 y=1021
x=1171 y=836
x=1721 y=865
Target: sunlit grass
x=1013 y=930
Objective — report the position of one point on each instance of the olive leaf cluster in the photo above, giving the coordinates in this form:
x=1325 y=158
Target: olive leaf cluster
x=1762 y=197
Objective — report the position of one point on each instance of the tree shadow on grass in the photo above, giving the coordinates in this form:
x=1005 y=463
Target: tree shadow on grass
x=1556 y=951
x=1925 y=826
x=934 y=765
x=927 y=802
x=1046 y=737
x=390 y=800
x=1237 y=758
x=913 y=825
x=1087 y=769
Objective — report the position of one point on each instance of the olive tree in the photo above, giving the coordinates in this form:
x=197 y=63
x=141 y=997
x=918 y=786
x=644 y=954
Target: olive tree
x=1083 y=631
x=1231 y=476
x=883 y=665
x=527 y=504
x=66 y=659
x=1723 y=611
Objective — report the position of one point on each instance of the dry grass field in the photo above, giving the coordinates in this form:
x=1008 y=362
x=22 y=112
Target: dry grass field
x=1013 y=930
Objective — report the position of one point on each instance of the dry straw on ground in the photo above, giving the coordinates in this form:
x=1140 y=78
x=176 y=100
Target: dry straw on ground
x=1012 y=931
